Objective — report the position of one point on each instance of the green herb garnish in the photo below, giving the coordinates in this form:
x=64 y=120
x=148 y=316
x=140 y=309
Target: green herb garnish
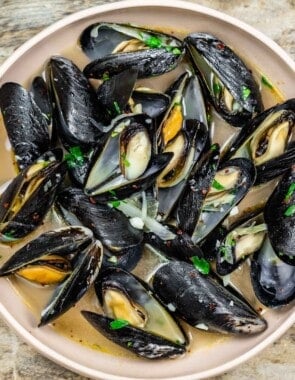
x=116 y=203
x=245 y=92
x=125 y=162
x=201 y=265
x=129 y=344
x=114 y=133
x=117 y=324
x=213 y=147
x=75 y=157
x=117 y=108
x=216 y=185
x=290 y=211
x=217 y=88
x=176 y=51
x=266 y=82
x=113 y=193
x=290 y=192
x=153 y=42
x=105 y=77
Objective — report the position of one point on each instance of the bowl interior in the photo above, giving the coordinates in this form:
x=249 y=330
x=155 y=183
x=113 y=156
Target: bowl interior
x=203 y=361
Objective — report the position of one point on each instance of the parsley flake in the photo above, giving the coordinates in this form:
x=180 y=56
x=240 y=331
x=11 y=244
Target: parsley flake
x=290 y=192
x=153 y=42
x=217 y=88
x=245 y=92
x=117 y=108
x=266 y=82
x=216 y=185
x=125 y=162
x=176 y=51
x=201 y=265
x=290 y=211
x=129 y=344
x=117 y=324
x=75 y=157
x=105 y=77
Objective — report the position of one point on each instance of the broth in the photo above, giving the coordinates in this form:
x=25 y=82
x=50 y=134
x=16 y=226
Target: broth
x=72 y=324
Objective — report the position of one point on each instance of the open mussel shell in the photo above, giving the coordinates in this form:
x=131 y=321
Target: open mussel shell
x=272 y=279
x=25 y=123
x=228 y=81
x=62 y=242
x=266 y=136
x=116 y=47
x=126 y=164
x=127 y=261
x=202 y=302
x=231 y=183
x=29 y=196
x=197 y=186
x=279 y=214
x=109 y=225
x=125 y=297
x=86 y=265
x=152 y=103
x=114 y=93
x=238 y=244
x=142 y=344
x=76 y=110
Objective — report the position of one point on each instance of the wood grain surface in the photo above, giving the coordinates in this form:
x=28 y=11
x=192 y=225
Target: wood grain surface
x=22 y=19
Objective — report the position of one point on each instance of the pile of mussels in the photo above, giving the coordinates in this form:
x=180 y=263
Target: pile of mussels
x=128 y=167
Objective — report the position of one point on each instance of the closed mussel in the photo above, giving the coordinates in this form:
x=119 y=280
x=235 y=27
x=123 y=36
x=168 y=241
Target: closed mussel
x=136 y=320
x=117 y=47
x=25 y=123
x=202 y=302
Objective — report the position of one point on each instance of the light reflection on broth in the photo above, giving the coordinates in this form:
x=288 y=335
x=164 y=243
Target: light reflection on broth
x=72 y=324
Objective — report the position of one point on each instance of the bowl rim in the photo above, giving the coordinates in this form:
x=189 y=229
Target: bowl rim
x=182 y=5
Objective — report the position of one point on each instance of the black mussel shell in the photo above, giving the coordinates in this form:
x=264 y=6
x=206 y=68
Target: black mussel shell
x=202 y=302
x=41 y=97
x=124 y=296
x=101 y=39
x=152 y=103
x=272 y=279
x=213 y=59
x=76 y=109
x=141 y=343
x=149 y=63
x=109 y=225
x=270 y=118
x=196 y=189
x=127 y=261
x=114 y=93
x=86 y=266
x=239 y=243
x=279 y=214
x=28 y=198
x=215 y=210
x=62 y=242
x=25 y=124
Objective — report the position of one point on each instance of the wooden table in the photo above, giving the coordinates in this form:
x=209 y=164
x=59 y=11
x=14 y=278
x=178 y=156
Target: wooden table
x=22 y=19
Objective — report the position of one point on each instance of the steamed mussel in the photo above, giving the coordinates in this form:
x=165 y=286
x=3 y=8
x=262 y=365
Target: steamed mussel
x=140 y=181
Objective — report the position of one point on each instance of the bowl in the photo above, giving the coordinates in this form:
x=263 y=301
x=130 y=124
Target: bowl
x=208 y=360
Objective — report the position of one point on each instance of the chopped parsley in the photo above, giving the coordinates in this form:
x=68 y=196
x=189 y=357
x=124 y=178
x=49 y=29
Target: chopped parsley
x=116 y=203
x=290 y=192
x=114 y=133
x=113 y=193
x=217 y=88
x=266 y=82
x=75 y=157
x=176 y=51
x=105 y=77
x=125 y=162
x=213 y=147
x=217 y=185
x=245 y=92
x=129 y=344
x=201 y=265
x=153 y=42
x=290 y=211
x=117 y=324
x=117 y=108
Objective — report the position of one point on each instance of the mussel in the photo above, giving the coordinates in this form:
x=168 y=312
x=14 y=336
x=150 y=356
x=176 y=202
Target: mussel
x=134 y=318
x=28 y=198
x=68 y=257
x=117 y=47
x=229 y=83
x=25 y=123
x=202 y=302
